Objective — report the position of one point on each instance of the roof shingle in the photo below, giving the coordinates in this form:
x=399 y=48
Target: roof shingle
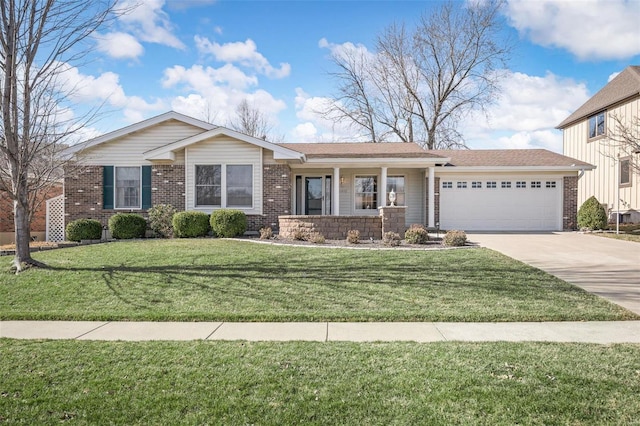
x=509 y=158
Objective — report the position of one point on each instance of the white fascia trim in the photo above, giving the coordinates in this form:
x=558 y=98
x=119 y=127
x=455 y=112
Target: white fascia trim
x=279 y=153
x=461 y=169
x=365 y=161
x=171 y=115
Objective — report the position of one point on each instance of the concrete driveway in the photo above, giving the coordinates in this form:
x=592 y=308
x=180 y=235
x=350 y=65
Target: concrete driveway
x=607 y=267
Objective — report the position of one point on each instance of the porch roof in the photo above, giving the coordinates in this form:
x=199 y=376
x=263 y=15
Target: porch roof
x=362 y=150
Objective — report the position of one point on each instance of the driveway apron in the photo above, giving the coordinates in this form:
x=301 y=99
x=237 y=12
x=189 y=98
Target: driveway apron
x=607 y=267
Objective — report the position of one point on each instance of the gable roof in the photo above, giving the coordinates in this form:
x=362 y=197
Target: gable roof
x=361 y=150
x=166 y=152
x=624 y=86
x=492 y=158
x=144 y=124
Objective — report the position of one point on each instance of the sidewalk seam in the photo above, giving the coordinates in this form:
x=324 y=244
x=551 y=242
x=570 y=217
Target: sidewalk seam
x=326 y=334
x=435 y=324
x=213 y=332
x=92 y=330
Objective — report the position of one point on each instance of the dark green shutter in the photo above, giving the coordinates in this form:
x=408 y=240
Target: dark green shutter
x=146 y=187
x=107 y=187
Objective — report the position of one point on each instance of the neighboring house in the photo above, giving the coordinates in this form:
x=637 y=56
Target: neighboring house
x=194 y=165
x=38 y=223
x=589 y=135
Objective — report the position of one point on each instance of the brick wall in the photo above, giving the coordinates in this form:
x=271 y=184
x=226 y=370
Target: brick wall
x=393 y=219
x=276 y=194
x=570 y=203
x=332 y=227
x=436 y=201
x=39 y=221
x=168 y=185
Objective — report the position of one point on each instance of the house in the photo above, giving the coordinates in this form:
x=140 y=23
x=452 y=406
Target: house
x=194 y=165
x=590 y=134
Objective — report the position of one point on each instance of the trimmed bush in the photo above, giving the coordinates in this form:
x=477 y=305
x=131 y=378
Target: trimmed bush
x=160 y=220
x=125 y=226
x=228 y=223
x=454 y=238
x=316 y=238
x=391 y=239
x=84 y=229
x=353 y=236
x=190 y=224
x=416 y=234
x=592 y=215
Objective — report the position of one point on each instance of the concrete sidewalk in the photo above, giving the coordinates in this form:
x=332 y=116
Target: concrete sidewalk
x=604 y=332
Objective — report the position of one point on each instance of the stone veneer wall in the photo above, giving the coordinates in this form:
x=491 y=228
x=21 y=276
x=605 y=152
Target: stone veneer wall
x=331 y=227
x=393 y=219
x=570 y=203
x=436 y=201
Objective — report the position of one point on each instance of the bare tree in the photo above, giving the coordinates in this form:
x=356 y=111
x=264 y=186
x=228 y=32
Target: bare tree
x=251 y=121
x=624 y=141
x=418 y=85
x=39 y=41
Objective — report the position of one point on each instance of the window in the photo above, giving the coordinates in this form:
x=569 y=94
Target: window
x=208 y=185
x=550 y=184
x=625 y=171
x=128 y=185
x=521 y=184
x=366 y=192
x=596 y=125
x=396 y=183
x=491 y=184
x=447 y=185
x=240 y=186
x=462 y=185
x=536 y=184
x=476 y=185
x=505 y=184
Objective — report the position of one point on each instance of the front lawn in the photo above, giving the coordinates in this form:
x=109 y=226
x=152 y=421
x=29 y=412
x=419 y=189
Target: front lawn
x=624 y=237
x=226 y=280
x=238 y=383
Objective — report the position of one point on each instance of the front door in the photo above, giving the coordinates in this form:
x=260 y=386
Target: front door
x=313 y=190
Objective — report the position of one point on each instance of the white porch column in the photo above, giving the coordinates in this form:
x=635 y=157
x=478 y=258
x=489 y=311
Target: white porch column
x=431 y=223
x=335 y=196
x=383 y=187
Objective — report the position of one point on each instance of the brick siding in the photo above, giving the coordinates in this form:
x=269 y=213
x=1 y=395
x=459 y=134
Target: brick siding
x=436 y=200
x=39 y=221
x=168 y=185
x=570 y=203
x=276 y=195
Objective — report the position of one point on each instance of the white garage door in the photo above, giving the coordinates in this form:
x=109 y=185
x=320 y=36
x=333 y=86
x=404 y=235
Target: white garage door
x=501 y=205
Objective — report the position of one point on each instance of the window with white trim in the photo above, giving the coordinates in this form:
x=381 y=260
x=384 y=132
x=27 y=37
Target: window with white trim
x=396 y=183
x=447 y=185
x=521 y=184
x=209 y=185
x=491 y=184
x=128 y=183
x=536 y=184
x=462 y=185
x=476 y=185
x=625 y=171
x=505 y=184
x=366 y=192
x=596 y=125
x=550 y=184
x=240 y=185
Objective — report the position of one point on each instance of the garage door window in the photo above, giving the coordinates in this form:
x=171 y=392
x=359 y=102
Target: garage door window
x=506 y=184
x=447 y=185
x=551 y=184
x=476 y=185
x=521 y=184
x=536 y=184
x=491 y=184
x=462 y=185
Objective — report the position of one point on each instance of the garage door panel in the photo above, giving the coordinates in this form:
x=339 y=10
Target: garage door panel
x=501 y=209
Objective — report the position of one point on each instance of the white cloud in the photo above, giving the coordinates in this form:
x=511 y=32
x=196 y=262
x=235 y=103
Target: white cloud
x=346 y=50
x=526 y=114
x=119 y=45
x=589 y=29
x=304 y=132
x=204 y=80
x=243 y=53
x=150 y=23
x=612 y=76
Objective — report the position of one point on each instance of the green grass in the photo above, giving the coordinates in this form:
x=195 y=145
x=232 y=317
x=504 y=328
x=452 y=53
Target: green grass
x=238 y=383
x=209 y=279
x=624 y=237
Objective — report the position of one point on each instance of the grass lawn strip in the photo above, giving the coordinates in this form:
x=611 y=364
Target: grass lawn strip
x=48 y=382
x=223 y=280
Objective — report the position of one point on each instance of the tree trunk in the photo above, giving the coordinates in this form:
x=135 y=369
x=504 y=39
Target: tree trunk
x=22 y=227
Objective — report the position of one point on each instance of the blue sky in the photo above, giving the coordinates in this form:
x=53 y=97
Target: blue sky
x=203 y=57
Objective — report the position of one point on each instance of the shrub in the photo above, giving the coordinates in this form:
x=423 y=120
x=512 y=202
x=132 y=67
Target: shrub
x=228 y=223
x=300 y=235
x=454 y=238
x=266 y=233
x=84 y=229
x=391 y=239
x=316 y=238
x=592 y=215
x=124 y=226
x=353 y=236
x=190 y=224
x=160 y=220
x=416 y=234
